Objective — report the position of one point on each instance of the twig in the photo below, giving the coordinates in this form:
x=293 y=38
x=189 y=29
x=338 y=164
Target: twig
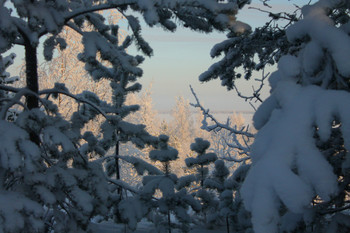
x=256 y=93
x=233 y=132
x=217 y=123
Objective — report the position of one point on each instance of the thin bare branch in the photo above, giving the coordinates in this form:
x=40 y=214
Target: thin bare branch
x=217 y=124
x=256 y=93
x=234 y=146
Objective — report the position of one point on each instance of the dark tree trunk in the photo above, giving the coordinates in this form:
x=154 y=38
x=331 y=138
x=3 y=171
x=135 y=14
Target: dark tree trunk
x=169 y=222
x=117 y=167
x=202 y=176
x=31 y=74
x=32 y=81
x=227 y=225
x=117 y=173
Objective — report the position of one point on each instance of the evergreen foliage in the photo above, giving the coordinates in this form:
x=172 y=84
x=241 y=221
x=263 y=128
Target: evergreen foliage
x=217 y=182
x=251 y=50
x=45 y=166
x=158 y=198
x=201 y=162
x=299 y=180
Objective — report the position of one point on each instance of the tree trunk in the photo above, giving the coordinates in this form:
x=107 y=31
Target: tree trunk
x=117 y=168
x=202 y=176
x=227 y=225
x=117 y=174
x=32 y=81
x=169 y=222
x=31 y=74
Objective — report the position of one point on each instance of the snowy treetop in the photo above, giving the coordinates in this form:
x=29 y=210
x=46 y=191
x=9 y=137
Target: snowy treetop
x=165 y=152
x=200 y=146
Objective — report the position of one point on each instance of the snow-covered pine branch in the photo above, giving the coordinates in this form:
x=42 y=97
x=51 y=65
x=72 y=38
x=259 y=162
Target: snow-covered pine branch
x=170 y=201
x=252 y=50
x=300 y=160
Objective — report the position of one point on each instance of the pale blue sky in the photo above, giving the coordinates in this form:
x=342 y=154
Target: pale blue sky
x=180 y=57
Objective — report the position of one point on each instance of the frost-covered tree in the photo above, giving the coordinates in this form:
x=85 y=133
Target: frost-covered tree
x=146 y=115
x=45 y=166
x=225 y=144
x=66 y=68
x=232 y=139
x=181 y=131
x=299 y=178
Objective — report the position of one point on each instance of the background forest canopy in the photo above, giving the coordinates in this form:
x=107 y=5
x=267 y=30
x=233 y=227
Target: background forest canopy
x=82 y=146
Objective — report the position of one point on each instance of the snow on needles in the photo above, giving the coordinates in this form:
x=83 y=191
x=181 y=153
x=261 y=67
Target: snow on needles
x=287 y=164
x=165 y=153
x=287 y=167
x=16 y=147
x=320 y=28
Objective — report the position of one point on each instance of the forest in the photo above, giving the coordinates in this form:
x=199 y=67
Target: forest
x=83 y=150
